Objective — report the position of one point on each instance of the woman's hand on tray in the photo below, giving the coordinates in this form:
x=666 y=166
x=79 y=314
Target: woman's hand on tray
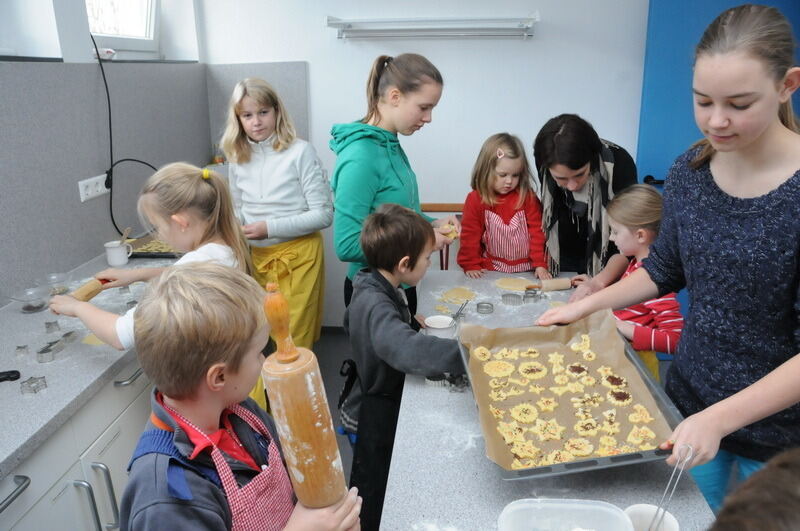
x=569 y=313
x=701 y=432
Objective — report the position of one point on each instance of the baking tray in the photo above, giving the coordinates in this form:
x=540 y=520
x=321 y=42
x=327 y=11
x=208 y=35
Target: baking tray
x=140 y=242
x=670 y=414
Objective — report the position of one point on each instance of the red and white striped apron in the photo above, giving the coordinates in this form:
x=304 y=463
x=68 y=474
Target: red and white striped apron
x=266 y=502
x=507 y=242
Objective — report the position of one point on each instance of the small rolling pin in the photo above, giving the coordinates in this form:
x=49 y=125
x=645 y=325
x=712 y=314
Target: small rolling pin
x=88 y=291
x=553 y=284
x=300 y=408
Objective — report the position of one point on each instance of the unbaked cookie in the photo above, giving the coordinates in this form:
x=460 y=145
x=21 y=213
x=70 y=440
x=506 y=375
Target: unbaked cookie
x=524 y=412
x=547 y=403
x=533 y=370
x=498 y=368
x=578 y=446
x=481 y=353
x=619 y=397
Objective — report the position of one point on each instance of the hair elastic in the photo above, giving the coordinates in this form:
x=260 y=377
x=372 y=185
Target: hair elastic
x=500 y=153
x=206 y=174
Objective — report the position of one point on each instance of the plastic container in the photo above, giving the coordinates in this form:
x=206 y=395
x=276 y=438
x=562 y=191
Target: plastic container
x=440 y=326
x=641 y=516
x=536 y=514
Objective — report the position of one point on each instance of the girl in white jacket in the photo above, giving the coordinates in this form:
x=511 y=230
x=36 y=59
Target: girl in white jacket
x=282 y=197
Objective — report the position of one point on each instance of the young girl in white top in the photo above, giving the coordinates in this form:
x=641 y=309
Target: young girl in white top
x=282 y=197
x=191 y=210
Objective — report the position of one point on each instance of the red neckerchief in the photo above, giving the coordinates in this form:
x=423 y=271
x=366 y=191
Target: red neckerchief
x=224 y=438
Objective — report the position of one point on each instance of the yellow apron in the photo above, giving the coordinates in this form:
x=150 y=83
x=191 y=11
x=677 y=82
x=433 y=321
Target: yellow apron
x=650 y=361
x=297 y=266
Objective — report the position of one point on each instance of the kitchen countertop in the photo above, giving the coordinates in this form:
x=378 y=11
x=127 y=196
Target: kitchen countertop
x=73 y=377
x=440 y=477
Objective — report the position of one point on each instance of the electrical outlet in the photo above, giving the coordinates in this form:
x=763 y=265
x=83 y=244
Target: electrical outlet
x=92 y=187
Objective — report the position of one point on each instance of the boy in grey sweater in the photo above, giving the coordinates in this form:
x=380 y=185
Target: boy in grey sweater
x=397 y=243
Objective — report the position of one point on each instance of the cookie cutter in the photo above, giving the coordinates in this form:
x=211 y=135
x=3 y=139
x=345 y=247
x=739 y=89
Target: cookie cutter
x=47 y=353
x=124 y=290
x=51 y=326
x=512 y=299
x=22 y=350
x=484 y=307
x=33 y=385
x=532 y=295
x=131 y=303
x=69 y=337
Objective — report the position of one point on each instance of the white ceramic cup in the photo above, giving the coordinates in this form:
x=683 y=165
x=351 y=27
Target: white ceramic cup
x=117 y=253
x=440 y=326
x=641 y=515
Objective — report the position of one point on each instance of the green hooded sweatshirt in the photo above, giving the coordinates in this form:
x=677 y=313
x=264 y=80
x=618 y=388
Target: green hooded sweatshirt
x=371 y=170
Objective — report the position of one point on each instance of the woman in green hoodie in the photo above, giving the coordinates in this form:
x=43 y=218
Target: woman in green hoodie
x=371 y=167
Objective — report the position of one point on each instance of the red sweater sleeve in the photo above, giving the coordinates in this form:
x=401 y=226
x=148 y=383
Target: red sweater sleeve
x=472 y=227
x=663 y=334
x=533 y=213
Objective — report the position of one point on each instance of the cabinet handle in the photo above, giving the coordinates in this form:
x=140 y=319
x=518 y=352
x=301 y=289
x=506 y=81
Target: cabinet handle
x=112 y=498
x=126 y=383
x=22 y=484
x=92 y=505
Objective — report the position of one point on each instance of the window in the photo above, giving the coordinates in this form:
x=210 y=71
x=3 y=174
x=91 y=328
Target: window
x=130 y=25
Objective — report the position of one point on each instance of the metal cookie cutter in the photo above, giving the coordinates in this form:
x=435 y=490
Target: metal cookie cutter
x=131 y=303
x=532 y=295
x=484 y=307
x=22 y=350
x=512 y=299
x=48 y=353
x=33 y=385
x=51 y=326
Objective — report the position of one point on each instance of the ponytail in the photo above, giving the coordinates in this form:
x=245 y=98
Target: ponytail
x=407 y=72
x=180 y=186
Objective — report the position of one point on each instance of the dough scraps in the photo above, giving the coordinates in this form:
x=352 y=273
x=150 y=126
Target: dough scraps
x=443 y=309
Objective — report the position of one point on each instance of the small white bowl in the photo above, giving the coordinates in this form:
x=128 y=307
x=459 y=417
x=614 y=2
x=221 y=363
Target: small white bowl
x=440 y=326
x=641 y=515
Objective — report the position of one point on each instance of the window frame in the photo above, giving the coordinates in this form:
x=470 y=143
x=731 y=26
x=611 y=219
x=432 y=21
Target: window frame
x=134 y=44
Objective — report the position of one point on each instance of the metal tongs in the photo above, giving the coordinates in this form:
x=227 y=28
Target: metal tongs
x=460 y=310
x=685 y=455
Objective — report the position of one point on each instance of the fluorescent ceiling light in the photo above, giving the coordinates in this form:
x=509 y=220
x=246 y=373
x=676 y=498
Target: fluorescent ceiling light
x=433 y=27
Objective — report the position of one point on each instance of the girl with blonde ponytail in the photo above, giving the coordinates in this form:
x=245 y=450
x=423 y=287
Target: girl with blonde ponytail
x=731 y=236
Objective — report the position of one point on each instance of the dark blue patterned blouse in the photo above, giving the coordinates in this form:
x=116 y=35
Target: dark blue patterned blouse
x=739 y=260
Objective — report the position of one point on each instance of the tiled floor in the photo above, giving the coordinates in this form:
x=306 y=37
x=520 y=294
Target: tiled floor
x=331 y=350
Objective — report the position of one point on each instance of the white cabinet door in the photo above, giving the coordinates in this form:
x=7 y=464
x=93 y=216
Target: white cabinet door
x=68 y=505
x=105 y=463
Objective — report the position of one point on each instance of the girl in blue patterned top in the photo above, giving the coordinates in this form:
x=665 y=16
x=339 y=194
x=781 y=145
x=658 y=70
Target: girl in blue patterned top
x=731 y=236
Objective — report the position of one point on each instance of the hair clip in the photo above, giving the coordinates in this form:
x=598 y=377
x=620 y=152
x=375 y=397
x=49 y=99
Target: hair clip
x=206 y=174
x=500 y=153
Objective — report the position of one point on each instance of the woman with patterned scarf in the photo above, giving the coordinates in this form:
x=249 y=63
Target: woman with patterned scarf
x=579 y=174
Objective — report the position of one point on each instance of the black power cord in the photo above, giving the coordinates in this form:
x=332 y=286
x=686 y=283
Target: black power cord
x=109 y=182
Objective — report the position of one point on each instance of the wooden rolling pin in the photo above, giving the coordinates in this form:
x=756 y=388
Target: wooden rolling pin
x=300 y=408
x=88 y=291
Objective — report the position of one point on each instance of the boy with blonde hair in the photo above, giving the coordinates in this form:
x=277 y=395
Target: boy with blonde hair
x=208 y=458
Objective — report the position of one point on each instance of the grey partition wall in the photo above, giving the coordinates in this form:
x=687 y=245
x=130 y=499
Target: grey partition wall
x=290 y=80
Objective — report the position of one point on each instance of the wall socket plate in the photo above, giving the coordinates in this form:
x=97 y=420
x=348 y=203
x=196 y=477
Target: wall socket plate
x=92 y=187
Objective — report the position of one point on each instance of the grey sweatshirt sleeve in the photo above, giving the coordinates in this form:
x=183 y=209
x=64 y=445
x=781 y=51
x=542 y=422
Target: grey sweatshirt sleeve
x=409 y=351
x=317 y=194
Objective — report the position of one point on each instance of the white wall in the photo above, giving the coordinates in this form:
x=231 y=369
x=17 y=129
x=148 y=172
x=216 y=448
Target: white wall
x=28 y=28
x=586 y=57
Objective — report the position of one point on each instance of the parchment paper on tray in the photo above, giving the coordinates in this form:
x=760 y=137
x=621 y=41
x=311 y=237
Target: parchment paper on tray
x=603 y=411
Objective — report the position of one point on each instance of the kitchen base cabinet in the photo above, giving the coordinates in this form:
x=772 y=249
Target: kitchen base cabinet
x=67 y=482
x=68 y=505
